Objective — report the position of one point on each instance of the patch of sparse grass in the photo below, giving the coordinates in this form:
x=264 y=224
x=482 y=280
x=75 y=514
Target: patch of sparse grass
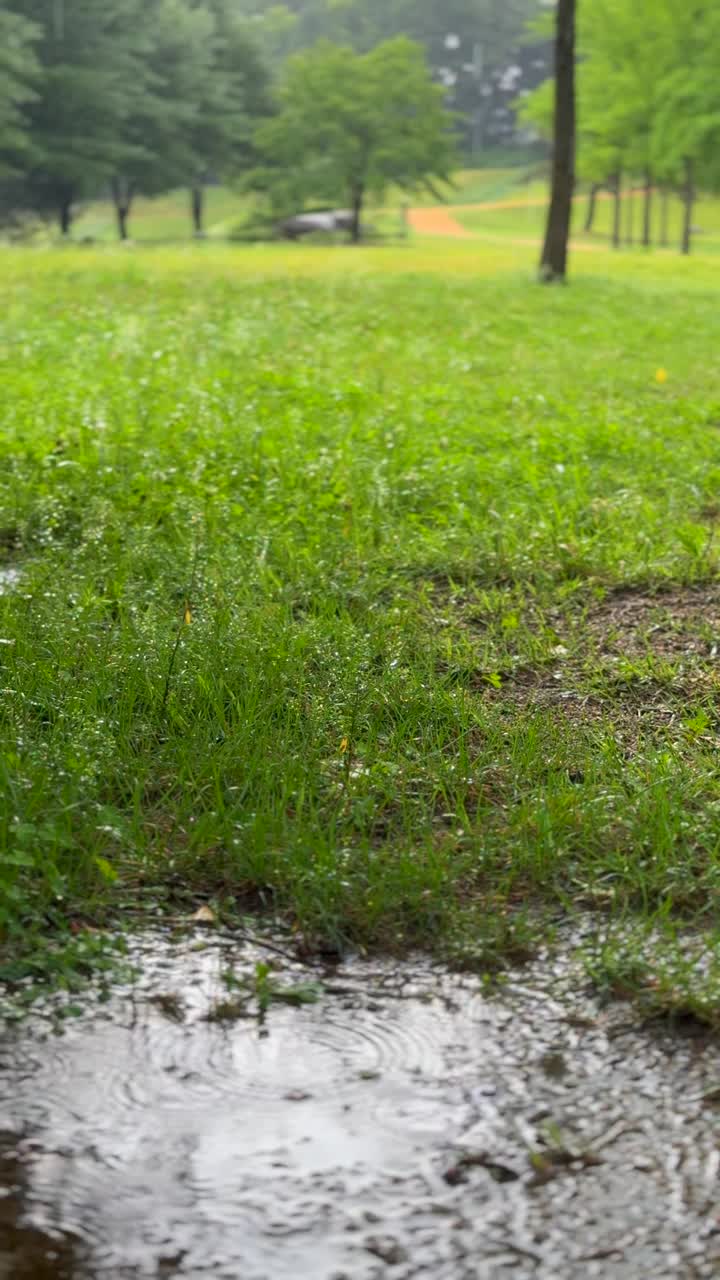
x=374 y=590
x=672 y=979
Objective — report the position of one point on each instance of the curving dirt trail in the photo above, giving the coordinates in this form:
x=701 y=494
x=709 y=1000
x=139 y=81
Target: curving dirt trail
x=438 y=221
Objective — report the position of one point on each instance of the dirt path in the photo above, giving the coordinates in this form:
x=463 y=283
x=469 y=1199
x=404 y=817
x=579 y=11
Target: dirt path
x=438 y=221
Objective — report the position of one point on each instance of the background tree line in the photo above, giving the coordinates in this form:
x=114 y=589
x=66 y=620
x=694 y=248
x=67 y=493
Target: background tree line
x=648 y=109
x=143 y=96
x=329 y=100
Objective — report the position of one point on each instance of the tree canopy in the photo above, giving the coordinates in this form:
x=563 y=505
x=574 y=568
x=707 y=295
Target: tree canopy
x=648 y=99
x=348 y=124
x=18 y=74
x=133 y=96
x=475 y=48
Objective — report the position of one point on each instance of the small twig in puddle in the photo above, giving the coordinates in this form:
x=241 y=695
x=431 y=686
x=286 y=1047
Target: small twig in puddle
x=499 y=1172
x=170 y=1004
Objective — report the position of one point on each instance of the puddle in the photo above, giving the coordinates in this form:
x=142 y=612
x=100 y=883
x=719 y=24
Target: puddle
x=385 y=1131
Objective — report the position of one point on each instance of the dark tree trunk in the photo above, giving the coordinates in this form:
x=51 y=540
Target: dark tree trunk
x=197 y=201
x=647 y=211
x=122 y=194
x=591 y=204
x=553 y=263
x=688 y=202
x=617 y=210
x=664 y=215
x=630 y=216
x=65 y=215
x=122 y=212
x=356 y=206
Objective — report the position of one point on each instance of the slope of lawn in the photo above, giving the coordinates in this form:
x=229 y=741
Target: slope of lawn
x=522 y=215
x=374 y=588
x=167 y=217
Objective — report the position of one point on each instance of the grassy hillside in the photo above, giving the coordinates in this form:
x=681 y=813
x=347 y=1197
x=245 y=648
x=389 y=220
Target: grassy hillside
x=527 y=218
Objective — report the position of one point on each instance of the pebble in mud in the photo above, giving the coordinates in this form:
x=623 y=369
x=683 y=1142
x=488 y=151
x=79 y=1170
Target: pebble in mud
x=322 y=1150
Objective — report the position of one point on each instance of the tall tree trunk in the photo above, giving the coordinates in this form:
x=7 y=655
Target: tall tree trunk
x=630 y=216
x=617 y=210
x=197 y=203
x=122 y=194
x=121 y=212
x=647 y=211
x=664 y=217
x=356 y=206
x=688 y=202
x=65 y=215
x=553 y=263
x=591 y=205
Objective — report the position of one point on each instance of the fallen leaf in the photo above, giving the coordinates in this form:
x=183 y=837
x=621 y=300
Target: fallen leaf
x=204 y=915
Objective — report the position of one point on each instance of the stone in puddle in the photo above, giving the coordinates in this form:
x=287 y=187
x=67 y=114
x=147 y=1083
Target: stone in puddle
x=386 y=1249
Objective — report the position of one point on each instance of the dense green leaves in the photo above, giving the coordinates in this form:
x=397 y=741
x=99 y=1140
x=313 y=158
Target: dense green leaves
x=137 y=96
x=18 y=72
x=649 y=97
x=476 y=48
x=349 y=124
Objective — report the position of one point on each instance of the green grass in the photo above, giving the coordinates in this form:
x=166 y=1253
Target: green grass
x=166 y=218
x=318 y=610
x=527 y=218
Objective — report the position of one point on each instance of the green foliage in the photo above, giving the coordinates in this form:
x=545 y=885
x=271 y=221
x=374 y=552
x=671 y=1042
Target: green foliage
x=349 y=124
x=469 y=44
x=206 y=90
x=92 y=70
x=687 y=123
x=649 y=95
x=136 y=96
x=18 y=72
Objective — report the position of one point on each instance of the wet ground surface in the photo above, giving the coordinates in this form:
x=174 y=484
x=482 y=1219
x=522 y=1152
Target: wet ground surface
x=407 y=1124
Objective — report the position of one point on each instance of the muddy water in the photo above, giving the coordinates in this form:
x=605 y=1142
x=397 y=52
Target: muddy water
x=405 y=1125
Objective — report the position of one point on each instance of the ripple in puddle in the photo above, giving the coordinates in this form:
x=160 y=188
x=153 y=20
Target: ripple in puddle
x=406 y=1125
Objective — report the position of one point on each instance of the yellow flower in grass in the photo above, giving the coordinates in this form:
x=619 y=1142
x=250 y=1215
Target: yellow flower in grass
x=661 y=376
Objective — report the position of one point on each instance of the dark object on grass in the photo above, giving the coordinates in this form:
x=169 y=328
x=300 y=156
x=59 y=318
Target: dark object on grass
x=304 y=224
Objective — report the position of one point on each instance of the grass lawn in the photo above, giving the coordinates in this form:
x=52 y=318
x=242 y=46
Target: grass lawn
x=166 y=218
x=526 y=217
x=374 y=588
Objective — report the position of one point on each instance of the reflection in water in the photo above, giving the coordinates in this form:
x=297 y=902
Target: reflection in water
x=363 y=1136
x=27 y=1253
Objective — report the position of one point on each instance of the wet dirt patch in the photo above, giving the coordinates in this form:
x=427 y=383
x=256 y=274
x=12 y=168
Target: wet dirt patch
x=681 y=622
x=637 y=659
x=406 y=1124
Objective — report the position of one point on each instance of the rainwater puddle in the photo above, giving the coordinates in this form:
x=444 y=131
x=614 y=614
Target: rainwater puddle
x=385 y=1131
